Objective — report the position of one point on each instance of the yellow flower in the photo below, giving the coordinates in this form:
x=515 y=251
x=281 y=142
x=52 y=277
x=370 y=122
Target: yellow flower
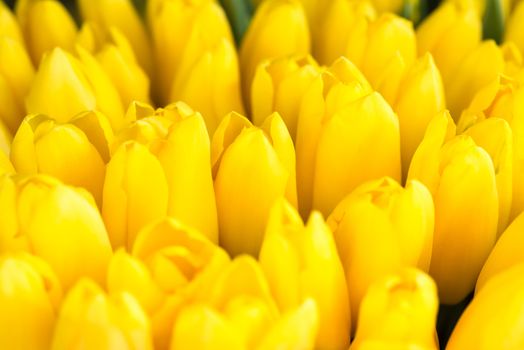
x=65 y=86
x=379 y=228
x=252 y=167
x=514 y=30
x=58 y=223
x=181 y=262
x=9 y=26
x=340 y=117
x=120 y=14
x=46 y=24
x=302 y=262
x=461 y=178
x=453 y=27
x=506 y=253
x=16 y=75
x=5 y=139
x=41 y=145
x=171 y=25
x=493 y=319
x=29 y=298
x=398 y=311
x=278 y=86
x=279 y=28
x=5 y=165
x=90 y=319
x=176 y=136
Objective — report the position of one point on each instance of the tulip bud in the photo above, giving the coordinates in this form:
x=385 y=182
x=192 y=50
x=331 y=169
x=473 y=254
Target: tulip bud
x=344 y=22
x=419 y=97
x=478 y=68
x=121 y=15
x=16 y=75
x=398 y=311
x=57 y=223
x=379 y=228
x=505 y=254
x=90 y=319
x=514 y=30
x=46 y=24
x=64 y=86
x=252 y=167
x=181 y=262
x=42 y=145
x=453 y=27
x=9 y=26
x=278 y=29
x=279 y=85
x=493 y=319
x=172 y=24
x=208 y=79
x=29 y=298
x=461 y=178
x=290 y=251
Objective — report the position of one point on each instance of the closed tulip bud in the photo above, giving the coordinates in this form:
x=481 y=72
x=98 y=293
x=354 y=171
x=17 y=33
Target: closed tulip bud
x=494 y=135
x=379 y=228
x=41 y=145
x=505 y=254
x=290 y=251
x=65 y=86
x=478 y=68
x=122 y=15
x=514 y=30
x=16 y=75
x=493 y=319
x=252 y=167
x=344 y=22
x=29 y=297
x=419 y=97
x=208 y=79
x=58 y=223
x=453 y=27
x=398 y=311
x=172 y=24
x=278 y=29
x=279 y=85
x=90 y=319
x=461 y=178
x=46 y=24
x=182 y=263
x=9 y=26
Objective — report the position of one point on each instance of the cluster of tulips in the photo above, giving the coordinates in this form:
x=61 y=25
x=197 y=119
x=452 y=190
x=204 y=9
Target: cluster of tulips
x=329 y=185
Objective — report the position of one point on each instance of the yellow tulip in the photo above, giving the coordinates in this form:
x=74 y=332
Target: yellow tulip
x=279 y=28
x=208 y=78
x=5 y=139
x=9 y=26
x=252 y=167
x=172 y=24
x=494 y=135
x=478 y=68
x=505 y=254
x=514 y=30
x=29 y=297
x=278 y=86
x=398 y=311
x=116 y=57
x=181 y=262
x=41 y=145
x=453 y=27
x=5 y=165
x=344 y=22
x=58 y=223
x=46 y=24
x=301 y=262
x=494 y=319
x=90 y=319
x=65 y=86
x=379 y=228
x=122 y=15
x=16 y=75
x=420 y=95
x=461 y=178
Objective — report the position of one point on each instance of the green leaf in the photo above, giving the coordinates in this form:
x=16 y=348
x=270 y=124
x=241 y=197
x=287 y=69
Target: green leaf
x=239 y=14
x=493 y=21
